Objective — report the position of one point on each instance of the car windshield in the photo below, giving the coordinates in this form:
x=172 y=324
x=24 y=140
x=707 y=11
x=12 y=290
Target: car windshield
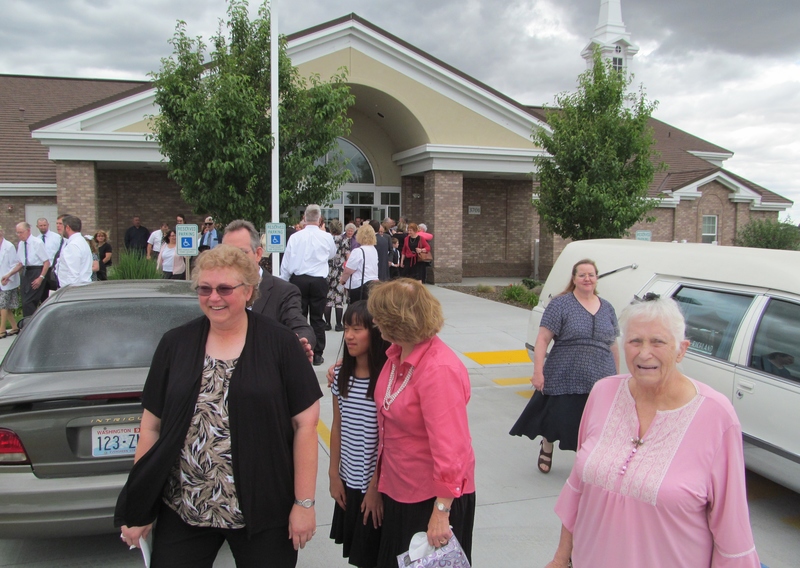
x=99 y=334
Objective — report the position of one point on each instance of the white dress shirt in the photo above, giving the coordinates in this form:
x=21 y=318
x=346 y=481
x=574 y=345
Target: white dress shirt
x=36 y=253
x=308 y=252
x=156 y=237
x=8 y=260
x=52 y=242
x=74 y=266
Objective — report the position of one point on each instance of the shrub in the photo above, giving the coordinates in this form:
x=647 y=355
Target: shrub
x=769 y=234
x=530 y=283
x=485 y=289
x=133 y=266
x=519 y=293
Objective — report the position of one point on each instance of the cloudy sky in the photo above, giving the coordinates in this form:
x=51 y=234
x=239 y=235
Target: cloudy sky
x=725 y=70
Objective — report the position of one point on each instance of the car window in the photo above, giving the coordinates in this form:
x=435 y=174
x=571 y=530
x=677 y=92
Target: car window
x=101 y=334
x=712 y=319
x=776 y=344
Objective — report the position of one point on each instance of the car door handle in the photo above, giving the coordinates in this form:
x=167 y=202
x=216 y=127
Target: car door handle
x=745 y=386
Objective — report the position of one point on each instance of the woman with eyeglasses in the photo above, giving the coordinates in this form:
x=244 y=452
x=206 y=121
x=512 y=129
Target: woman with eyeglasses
x=228 y=442
x=172 y=265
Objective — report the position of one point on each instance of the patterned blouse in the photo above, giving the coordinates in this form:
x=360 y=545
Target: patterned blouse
x=200 y=487
x=581 y=353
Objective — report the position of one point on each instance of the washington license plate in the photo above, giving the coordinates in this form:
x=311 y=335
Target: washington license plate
x=114 y=440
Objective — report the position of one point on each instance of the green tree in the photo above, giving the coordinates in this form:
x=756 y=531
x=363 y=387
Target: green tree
x=595 y=184
x=214 y=124
x=769 y=234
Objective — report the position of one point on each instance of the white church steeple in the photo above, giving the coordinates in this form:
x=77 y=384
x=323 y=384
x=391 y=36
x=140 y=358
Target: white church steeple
x=611 y=37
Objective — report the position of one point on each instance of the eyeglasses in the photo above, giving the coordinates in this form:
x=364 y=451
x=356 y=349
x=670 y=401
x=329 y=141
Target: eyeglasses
x=209 y=223
x=222 y=290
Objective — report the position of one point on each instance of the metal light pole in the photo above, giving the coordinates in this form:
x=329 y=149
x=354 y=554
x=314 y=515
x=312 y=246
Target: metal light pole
x=274 y=64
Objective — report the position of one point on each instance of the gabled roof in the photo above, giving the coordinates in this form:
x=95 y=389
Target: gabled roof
x=690 y=160
x=24 y=160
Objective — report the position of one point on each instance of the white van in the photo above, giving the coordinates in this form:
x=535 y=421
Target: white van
x=742 y=309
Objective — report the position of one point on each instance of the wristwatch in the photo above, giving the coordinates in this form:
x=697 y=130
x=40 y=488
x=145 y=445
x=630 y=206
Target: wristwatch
x=305 y=503
x=441 y=507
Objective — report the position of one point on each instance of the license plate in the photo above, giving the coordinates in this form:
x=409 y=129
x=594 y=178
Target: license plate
x=114 y=440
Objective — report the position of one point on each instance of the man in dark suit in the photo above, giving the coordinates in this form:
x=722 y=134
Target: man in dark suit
x=277 y=298
x=383 y=245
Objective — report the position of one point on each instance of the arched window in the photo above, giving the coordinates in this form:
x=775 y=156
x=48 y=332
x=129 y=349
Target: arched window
x=355 y=162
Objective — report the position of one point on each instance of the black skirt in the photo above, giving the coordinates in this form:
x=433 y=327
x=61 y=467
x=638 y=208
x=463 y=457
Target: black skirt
x=359 y=542
x=554 y=417
x=402 y=520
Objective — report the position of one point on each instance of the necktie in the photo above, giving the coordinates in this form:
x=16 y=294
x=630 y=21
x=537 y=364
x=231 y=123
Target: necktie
x=25 y=243
x=43 y=235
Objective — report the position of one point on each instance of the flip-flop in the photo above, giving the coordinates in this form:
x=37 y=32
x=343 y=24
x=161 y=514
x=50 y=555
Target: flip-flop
x=3 y=334
x=545 y=459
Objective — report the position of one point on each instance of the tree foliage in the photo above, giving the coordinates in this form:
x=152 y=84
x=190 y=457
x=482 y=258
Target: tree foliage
x=769 y=234
x=214 y=124
x=595 y=184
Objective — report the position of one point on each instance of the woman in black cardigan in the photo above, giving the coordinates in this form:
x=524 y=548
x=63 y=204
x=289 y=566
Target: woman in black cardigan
x=228 y=443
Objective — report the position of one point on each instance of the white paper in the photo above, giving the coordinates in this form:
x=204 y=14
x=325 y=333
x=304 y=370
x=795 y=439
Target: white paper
x=144 y=546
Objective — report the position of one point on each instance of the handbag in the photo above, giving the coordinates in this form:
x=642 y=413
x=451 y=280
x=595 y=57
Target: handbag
x=50 y=279
x=422 y=555
x=426 y=255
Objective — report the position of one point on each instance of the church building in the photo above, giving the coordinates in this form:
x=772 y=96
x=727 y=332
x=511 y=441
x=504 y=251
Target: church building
x=428 y=143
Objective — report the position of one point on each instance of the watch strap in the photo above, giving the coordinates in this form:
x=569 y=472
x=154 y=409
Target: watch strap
x=305 y=503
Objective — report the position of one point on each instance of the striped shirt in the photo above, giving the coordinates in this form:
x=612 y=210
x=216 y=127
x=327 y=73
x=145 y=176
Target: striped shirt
x=359 y=448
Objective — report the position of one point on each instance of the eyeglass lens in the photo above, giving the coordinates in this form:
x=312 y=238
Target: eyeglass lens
x=222 y=290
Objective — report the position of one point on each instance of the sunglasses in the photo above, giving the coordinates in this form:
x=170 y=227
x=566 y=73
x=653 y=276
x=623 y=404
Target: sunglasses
x=222 y=289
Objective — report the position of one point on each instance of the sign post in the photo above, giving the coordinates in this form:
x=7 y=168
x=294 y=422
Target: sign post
x=186 y=234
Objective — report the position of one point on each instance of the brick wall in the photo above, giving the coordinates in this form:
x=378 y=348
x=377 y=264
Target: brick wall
x=9 y=219
x=121 y=194
x=498 y=241
x=413 y=207
x=442 y=214
x=662 y=229
x=77 y=192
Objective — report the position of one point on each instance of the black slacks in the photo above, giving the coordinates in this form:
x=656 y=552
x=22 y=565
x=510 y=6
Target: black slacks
x=178 y=545
x=313 y=297
x=31 y=298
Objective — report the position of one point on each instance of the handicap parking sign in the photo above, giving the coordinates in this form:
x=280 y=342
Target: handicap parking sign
x=186 y=242
x=276 y=237
x=187 y=239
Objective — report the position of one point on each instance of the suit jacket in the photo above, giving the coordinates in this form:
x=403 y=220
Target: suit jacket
x=280 y=300
x=384 y=247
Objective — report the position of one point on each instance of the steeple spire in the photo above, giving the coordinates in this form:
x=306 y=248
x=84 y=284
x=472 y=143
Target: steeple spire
x=611 y=36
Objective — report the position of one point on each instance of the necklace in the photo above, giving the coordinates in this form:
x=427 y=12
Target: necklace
x=636 y=442
x=388 y=399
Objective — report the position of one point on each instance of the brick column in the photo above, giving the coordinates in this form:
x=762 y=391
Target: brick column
x=77 y=192
x=443 y=201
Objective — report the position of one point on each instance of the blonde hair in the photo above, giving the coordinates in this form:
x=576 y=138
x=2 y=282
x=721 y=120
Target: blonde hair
x=224 y=257
x=366 y=235
x=406 y=310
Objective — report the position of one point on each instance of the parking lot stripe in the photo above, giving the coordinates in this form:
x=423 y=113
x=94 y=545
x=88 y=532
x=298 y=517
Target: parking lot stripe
x=499 y=357
x=512 y=382
x=324 y=433
x=526 y=394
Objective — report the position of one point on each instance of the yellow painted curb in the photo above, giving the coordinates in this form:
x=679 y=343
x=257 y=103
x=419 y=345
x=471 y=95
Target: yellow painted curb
x=324 y=433
x=512 y=382
x=526 y=394
x=499 y=357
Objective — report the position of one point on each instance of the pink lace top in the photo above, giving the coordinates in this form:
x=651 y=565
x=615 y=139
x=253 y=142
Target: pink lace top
x=676 y=497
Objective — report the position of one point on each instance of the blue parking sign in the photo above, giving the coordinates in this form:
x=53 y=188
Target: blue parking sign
x=275 y=239
x=186 y=242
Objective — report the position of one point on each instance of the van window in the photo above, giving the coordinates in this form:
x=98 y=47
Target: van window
x=776 y=345
x=712 y=319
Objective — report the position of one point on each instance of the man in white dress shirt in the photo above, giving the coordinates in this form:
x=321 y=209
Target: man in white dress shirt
x=155 y=240
x=52 y=240
x=305 y=264
x=74 y=266
x=32 y=260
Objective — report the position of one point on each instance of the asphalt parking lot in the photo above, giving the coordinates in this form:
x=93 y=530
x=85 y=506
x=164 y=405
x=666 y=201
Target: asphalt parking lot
x=515 y=522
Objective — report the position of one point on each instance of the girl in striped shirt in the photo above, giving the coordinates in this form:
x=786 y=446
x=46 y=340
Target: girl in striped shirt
x=358 y=513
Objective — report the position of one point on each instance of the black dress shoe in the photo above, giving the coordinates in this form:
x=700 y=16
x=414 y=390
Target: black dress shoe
x=328 y=327
x=339 y=328
x=318 y=360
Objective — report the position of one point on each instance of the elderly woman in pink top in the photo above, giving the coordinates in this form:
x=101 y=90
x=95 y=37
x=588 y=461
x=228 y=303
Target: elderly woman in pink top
x=658 y=480
x=426 y=465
